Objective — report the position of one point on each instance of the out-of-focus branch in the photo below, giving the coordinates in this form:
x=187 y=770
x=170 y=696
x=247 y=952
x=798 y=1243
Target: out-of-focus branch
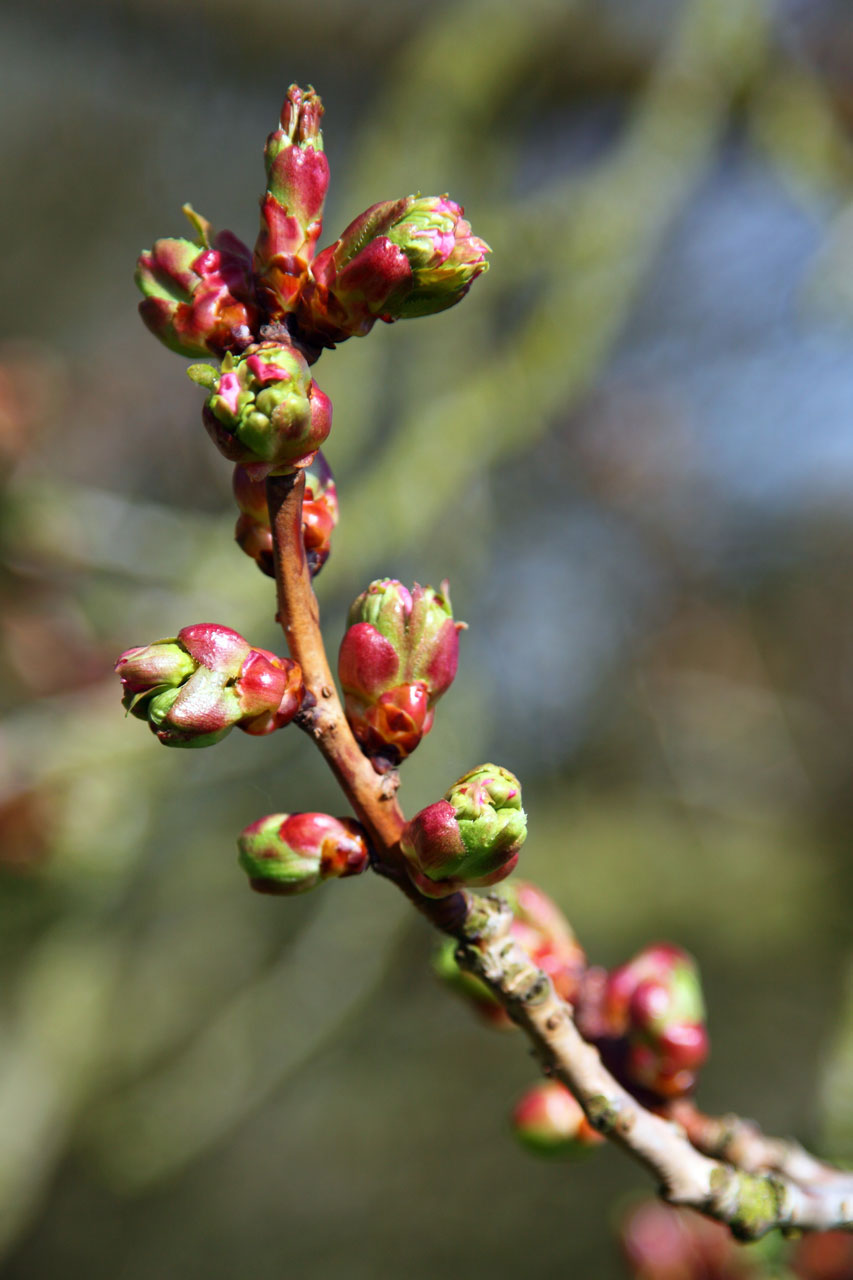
x=801 y=1194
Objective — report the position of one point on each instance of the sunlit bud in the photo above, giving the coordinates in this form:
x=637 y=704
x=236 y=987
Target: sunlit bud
x=397 y=658
x=662 y=1243
x=291 y=853
x=193 y=689
x=470 y=838
x=549 y=1120
x=199 y=294
x=399 y=259
x=264 y=410
x=292 y=206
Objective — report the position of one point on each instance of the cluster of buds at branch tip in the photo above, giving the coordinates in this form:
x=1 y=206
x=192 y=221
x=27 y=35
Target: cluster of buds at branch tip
x=195 y=688
x=653 y=1016
x=253 y=531
x=292 y=205
x=398 y=656
x=550 y=1121
x=199 y=294
x=471 y=838
x=264 y=410
x=399 y=259
x=289 y=853
x=538 y=926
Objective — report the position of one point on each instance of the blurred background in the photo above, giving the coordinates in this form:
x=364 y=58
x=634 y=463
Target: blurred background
x=630 y=449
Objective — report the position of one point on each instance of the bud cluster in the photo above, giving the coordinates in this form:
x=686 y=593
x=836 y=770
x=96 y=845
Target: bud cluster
x=289 y=853
x=253 y=532
x=397 y=658
x=212 y=296
x=652 y=1014
x=195 y=688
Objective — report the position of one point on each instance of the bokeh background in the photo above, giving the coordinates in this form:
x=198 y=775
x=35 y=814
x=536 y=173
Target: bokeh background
x=631 y=451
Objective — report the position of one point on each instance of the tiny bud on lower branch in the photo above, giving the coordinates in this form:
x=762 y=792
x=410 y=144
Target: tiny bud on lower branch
x=291 y=853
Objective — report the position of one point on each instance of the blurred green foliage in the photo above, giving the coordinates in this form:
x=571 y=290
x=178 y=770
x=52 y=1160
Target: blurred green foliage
x=197 y=1081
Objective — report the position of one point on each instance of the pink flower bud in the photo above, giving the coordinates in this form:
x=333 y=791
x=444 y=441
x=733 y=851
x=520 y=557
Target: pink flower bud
x=292 y=208
x=192 y=690
x=199 y=295
x=661 y=1243
x=550 y=1121
x=291 y=853
x=653 y=1012
x=398 y=656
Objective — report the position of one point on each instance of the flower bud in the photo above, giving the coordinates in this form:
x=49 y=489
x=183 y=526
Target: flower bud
x=470 y=838
x=291 y=853
x=662 y=1243
x=399 y=259
x=549 y=1120
x=824 y=1255
x=264 y=409
x=253 y=532
x=398 y=656
x=292 y=206
x=653 y=1008
x=199 y=294
x=193 y=689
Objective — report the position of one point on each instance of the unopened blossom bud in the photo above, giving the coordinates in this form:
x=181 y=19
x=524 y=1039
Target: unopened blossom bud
x=292 y=206
x=264 y=410
x=397 y=658
x=253 y=531
x=654 y=1005
x=399 y=259
x=824 y=1255
x=470 y=838
x=199 y=294
x=549 y=1120
x=195 y=688
x=662 y=1243
x=291 y=853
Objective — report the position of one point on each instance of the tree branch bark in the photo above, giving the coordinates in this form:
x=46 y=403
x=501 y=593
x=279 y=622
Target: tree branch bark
x=726 y=1169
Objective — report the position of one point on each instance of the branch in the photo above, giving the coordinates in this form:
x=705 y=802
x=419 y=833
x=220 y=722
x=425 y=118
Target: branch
x=750 y=1203
x=726 y=1170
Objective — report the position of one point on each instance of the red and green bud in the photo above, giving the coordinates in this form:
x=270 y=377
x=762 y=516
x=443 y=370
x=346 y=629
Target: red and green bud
x=264 y=409
x=654 y=1006
x=398 y=656
x=199 y=294
x=824 y=1255
x=289 y=853
x=550 y=1121
x=253 y=531
x=471 y=838
x=195 y=688
x=399 y=259
x=292 y=206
